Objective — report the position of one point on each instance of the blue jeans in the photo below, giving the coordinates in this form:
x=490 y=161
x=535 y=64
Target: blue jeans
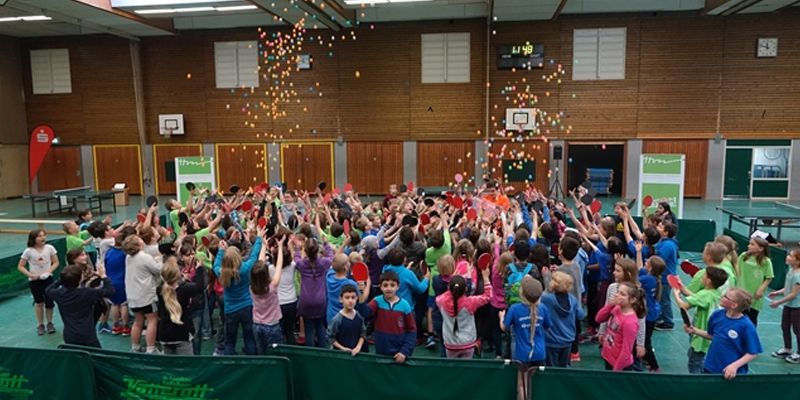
x=666 y=308
x=696 y=359
x=267 y=335
x=315 y=333
x=198 y=320
x=558 y=356
x=243 y=317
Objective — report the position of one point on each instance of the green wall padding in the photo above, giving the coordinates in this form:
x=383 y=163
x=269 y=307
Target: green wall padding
x=770 y=189
x=12 y=282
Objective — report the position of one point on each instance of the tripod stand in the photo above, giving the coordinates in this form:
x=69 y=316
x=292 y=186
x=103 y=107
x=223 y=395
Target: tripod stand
x=556 y=189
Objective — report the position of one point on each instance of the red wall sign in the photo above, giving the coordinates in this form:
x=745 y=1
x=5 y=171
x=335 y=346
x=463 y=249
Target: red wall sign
x=41 y=139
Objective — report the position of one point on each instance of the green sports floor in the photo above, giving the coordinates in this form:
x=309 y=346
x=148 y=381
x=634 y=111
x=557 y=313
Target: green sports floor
x=670 y=346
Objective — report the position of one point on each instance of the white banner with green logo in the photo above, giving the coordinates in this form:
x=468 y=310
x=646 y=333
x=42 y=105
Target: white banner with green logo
x=661 y=178
x=198 y=170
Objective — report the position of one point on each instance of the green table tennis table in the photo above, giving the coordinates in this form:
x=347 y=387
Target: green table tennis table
x=758 y=215
x=68 y=200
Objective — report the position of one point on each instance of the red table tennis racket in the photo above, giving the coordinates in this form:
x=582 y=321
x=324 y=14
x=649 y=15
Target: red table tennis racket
x=674 y=281
x=647 y=201
x=262 y=222
x=425 y=219
x=689 y=268
x=346 y=226
x=360 y=272
x=348 y=187
x=247 y=206
x=472 y=214
x=596 y=206
x=141 y=218
x=206 y=241
x=484 y=260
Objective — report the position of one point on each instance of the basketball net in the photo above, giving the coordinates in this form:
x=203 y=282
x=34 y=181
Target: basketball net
x=167 y=132
x=520 y=128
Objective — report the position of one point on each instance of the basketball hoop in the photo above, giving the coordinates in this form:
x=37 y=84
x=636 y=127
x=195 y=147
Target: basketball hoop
x=520 y=128
x=167 y=132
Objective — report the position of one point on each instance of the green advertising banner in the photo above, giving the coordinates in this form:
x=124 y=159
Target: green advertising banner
x=133 y=376
x=45 y=374
x=198 y=170
x=661 y=178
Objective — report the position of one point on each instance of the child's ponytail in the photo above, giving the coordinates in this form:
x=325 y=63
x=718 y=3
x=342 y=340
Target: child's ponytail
x=657 y=268
x=530 y=292
x=457 y=287
x=171 y=275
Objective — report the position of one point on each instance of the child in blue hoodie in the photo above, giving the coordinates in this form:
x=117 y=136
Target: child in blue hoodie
x=564 y=310
x=667 y=249
x=410 y=286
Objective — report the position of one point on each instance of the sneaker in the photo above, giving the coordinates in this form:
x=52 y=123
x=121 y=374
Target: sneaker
x=655 y=370
x=478 y=348
x=781 y=353
x=301 y=340
x=793 y=359
x=217 y=353
x=50 y=328
x=117 y=330
x=155 y=351
x=663 y=327
x=40 y=330
x=575 y=357
x=430 y=342
x=126 y=331
x=104 y=328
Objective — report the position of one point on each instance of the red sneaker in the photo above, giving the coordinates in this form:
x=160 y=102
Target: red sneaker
x=117 y=330
x=126 y=331
x=301 y=340
x=575 y=357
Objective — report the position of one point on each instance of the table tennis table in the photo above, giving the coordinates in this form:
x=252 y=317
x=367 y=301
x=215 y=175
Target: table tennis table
x=68 y=200
x=757 y=215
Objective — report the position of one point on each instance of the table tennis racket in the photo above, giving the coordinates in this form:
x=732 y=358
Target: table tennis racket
x=346 y=226
x=206 y=240
x=458 y=202
x=428 y=202
x=262 y=222
x=151 y=201
x=647 y=201
x=190 y=186
x=410 y=186
x=596 y=206
x=689 y=268
x=234 y=189
x=484 y=260
x=586 y=200
x=462 y=268
x=674 y=281
x=685 y=318
x=360 y=272
x=348 y=187
x=141 y=218
x=425 y=219
x=246 y=206
x=472 y=214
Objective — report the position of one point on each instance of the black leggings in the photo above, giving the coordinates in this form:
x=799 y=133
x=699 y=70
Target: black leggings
x=288 y=320
x=790 y=321
x=649 y=356
x=753 y=315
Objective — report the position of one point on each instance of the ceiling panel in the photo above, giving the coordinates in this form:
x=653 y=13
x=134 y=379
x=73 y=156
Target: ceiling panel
x=523 y=10
x=767 y=6
x=617 y=6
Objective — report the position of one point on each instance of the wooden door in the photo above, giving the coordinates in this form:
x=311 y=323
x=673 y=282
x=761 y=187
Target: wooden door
x=241 y=164
x=696 y=168
x=373 y=166
x=117 y=164
x=61 y=169
x=439 y=162
x=304 y=165
x=164 y=154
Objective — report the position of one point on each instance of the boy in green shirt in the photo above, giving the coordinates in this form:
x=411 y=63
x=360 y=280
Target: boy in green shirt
x=704 y=302
x=75 y=239
x=715 y=255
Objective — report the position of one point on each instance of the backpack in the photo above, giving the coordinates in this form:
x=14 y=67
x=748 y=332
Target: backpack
x=513 y=282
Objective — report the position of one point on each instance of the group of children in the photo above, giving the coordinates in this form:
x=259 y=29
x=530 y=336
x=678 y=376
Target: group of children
x=474 y=270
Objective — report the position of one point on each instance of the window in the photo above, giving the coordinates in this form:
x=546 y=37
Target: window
x=236 y=64
x=598 y=54
x=445 y=58
x=50 y=71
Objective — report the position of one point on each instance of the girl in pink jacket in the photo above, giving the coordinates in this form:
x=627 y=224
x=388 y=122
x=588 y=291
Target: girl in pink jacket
x=458 y=330
x=621 y=313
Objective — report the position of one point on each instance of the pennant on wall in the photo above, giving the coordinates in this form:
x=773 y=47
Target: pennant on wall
x=41 y=140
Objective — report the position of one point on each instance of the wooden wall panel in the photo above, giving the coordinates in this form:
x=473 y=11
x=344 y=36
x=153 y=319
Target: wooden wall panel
x=162 y=154
x=240 y=164
x=117 y=164
x=696 y=169
x=682 y=72
x=304 y=165
x=101 y=107
x=439 y=162
x=373 y=166
x=61 y=169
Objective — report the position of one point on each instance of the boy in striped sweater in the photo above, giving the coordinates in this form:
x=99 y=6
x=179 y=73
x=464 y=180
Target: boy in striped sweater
x=395 y=331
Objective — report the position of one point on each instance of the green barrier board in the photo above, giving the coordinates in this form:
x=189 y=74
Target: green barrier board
x=328 y=374
x=45 y=374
